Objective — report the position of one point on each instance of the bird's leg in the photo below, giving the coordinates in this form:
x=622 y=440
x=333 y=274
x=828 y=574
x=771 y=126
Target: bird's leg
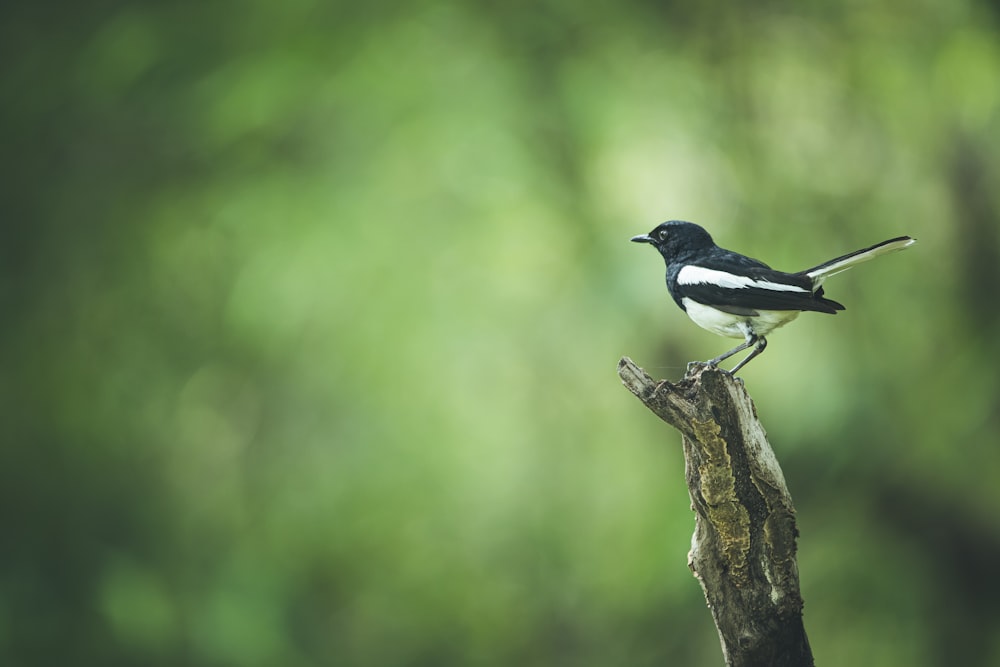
x=758 y=348
x=751 y=339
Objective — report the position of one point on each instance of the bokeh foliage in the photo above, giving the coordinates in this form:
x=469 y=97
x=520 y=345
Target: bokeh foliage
x=312 y=312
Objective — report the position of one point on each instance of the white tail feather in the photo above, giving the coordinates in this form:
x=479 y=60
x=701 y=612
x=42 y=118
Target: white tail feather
x=835 y=266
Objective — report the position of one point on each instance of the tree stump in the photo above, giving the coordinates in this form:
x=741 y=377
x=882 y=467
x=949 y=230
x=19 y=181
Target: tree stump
x=743 y=550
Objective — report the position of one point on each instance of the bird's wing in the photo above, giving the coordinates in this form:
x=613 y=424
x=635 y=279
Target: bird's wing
x=750 y=285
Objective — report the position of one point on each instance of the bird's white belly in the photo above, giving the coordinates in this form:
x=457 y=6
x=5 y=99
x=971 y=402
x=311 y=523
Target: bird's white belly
x=737 y=326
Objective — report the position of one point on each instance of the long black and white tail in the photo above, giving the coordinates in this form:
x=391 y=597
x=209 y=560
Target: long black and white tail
x=834 y=266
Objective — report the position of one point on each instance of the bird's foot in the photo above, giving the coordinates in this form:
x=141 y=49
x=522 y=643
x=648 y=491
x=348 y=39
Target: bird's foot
x=698 y=367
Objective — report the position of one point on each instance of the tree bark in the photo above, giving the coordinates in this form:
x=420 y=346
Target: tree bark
x=743 y=549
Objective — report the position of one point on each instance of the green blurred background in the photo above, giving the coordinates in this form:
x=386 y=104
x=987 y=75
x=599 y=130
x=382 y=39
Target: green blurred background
x=311 y=314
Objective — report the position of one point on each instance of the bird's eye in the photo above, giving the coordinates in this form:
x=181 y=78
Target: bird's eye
x=663 y=235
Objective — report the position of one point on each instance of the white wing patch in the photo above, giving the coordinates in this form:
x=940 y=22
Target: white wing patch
x=696 y=275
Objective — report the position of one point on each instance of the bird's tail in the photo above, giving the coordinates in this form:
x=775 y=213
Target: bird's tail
x=834 y=266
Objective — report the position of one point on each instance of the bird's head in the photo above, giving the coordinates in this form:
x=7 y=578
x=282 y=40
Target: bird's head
x=675 y=238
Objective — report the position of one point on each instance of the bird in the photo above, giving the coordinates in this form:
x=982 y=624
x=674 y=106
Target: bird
x=737 y=296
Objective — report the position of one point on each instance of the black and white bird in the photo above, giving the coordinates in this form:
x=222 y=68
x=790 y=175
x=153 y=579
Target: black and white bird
x=740 y=297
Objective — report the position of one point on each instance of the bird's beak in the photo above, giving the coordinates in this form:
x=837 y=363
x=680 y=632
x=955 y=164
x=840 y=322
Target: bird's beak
x=642 y=238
